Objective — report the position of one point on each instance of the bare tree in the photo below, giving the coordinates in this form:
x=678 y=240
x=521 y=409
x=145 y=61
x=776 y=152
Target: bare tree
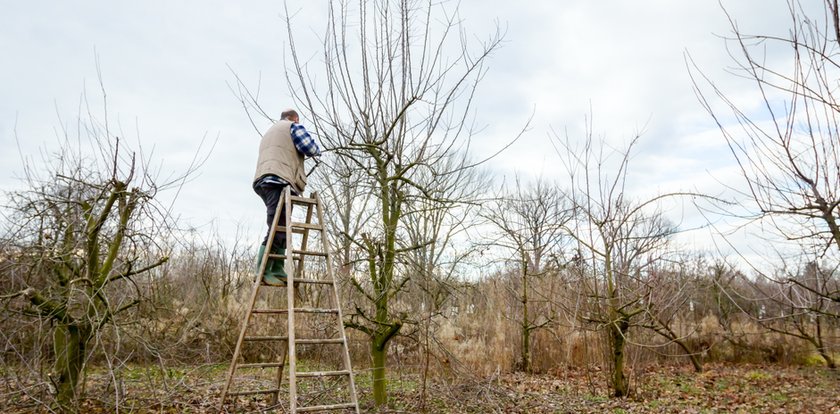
x=441 y=229
x=788 y=150
x=80 y=234
x=529 y=224
x=619 y=240
x=671 y=287
x=797 y=306
x=392 y=103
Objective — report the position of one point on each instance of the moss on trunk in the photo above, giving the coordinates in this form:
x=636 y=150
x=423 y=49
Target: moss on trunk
x=618 y=330
x=379 y=355
x=70 y=344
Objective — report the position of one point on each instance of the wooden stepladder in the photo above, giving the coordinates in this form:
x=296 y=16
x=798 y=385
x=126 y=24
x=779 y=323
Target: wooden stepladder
x=294 y=267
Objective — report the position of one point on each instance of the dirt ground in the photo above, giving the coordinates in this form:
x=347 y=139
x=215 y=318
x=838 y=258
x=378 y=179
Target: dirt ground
x=747 y=389
x=721 y=388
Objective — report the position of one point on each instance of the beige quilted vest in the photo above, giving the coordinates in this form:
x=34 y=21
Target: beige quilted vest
x=279 y=156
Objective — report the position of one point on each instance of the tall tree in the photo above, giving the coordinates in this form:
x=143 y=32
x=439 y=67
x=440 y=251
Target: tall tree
x=392 y=97
x=619 y=240
x=788 y=148
x=529 y=224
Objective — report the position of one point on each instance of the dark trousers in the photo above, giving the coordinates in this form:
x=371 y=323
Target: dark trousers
x=270 y=194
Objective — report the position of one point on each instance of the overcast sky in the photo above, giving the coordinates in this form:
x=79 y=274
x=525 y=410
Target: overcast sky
x=165 y=68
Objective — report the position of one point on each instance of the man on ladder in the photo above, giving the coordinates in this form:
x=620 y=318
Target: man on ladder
x=280 y=163
x=280 y=180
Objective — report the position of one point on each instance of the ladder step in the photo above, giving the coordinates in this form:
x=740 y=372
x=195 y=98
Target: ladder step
x=305 y=281
x=309 y=253
x=295 y=251
x=300 y=227
x=298 y=310
x=261 y=365
x=315 y=310
x=320 y=341
x=297 y=340
x=314 y=281
x=302 y=200
x=282 y=229
x=318 y=374
x=255 y=392
x=325 y=407
x=310 y=226
x=265 y=338
x=269 y=311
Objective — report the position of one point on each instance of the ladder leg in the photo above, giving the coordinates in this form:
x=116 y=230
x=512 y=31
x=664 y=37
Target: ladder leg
x=290 y=302
x=346 y=356
x=242 y=331
x=251 y=302
x=275 y=398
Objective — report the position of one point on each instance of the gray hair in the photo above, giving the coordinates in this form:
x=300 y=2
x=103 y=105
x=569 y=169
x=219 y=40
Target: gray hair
x=289 y=113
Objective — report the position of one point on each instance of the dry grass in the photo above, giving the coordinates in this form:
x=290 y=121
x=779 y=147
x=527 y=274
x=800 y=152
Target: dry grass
x=722 y=388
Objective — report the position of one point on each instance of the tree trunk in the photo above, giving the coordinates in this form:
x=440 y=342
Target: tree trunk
x=617 y=332
x=526 y=346
x=818 y=342
x=525 y=352
x=829 y=361
x=69 y=343
x=695 y=361
x=669 y=333
x=379 y=350
x=379 y=355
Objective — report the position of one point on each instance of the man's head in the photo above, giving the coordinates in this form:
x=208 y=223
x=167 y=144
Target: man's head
x=290 y=115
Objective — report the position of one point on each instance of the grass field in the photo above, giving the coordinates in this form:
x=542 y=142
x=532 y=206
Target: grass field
x=721 y=388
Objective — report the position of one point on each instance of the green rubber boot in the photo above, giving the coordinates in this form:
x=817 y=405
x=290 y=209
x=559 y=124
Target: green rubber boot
x=260 y=254
x=278 y=266
x=275 y=274
x=269 y=277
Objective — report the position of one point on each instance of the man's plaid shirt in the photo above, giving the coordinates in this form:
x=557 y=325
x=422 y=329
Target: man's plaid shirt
x=304 y=142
